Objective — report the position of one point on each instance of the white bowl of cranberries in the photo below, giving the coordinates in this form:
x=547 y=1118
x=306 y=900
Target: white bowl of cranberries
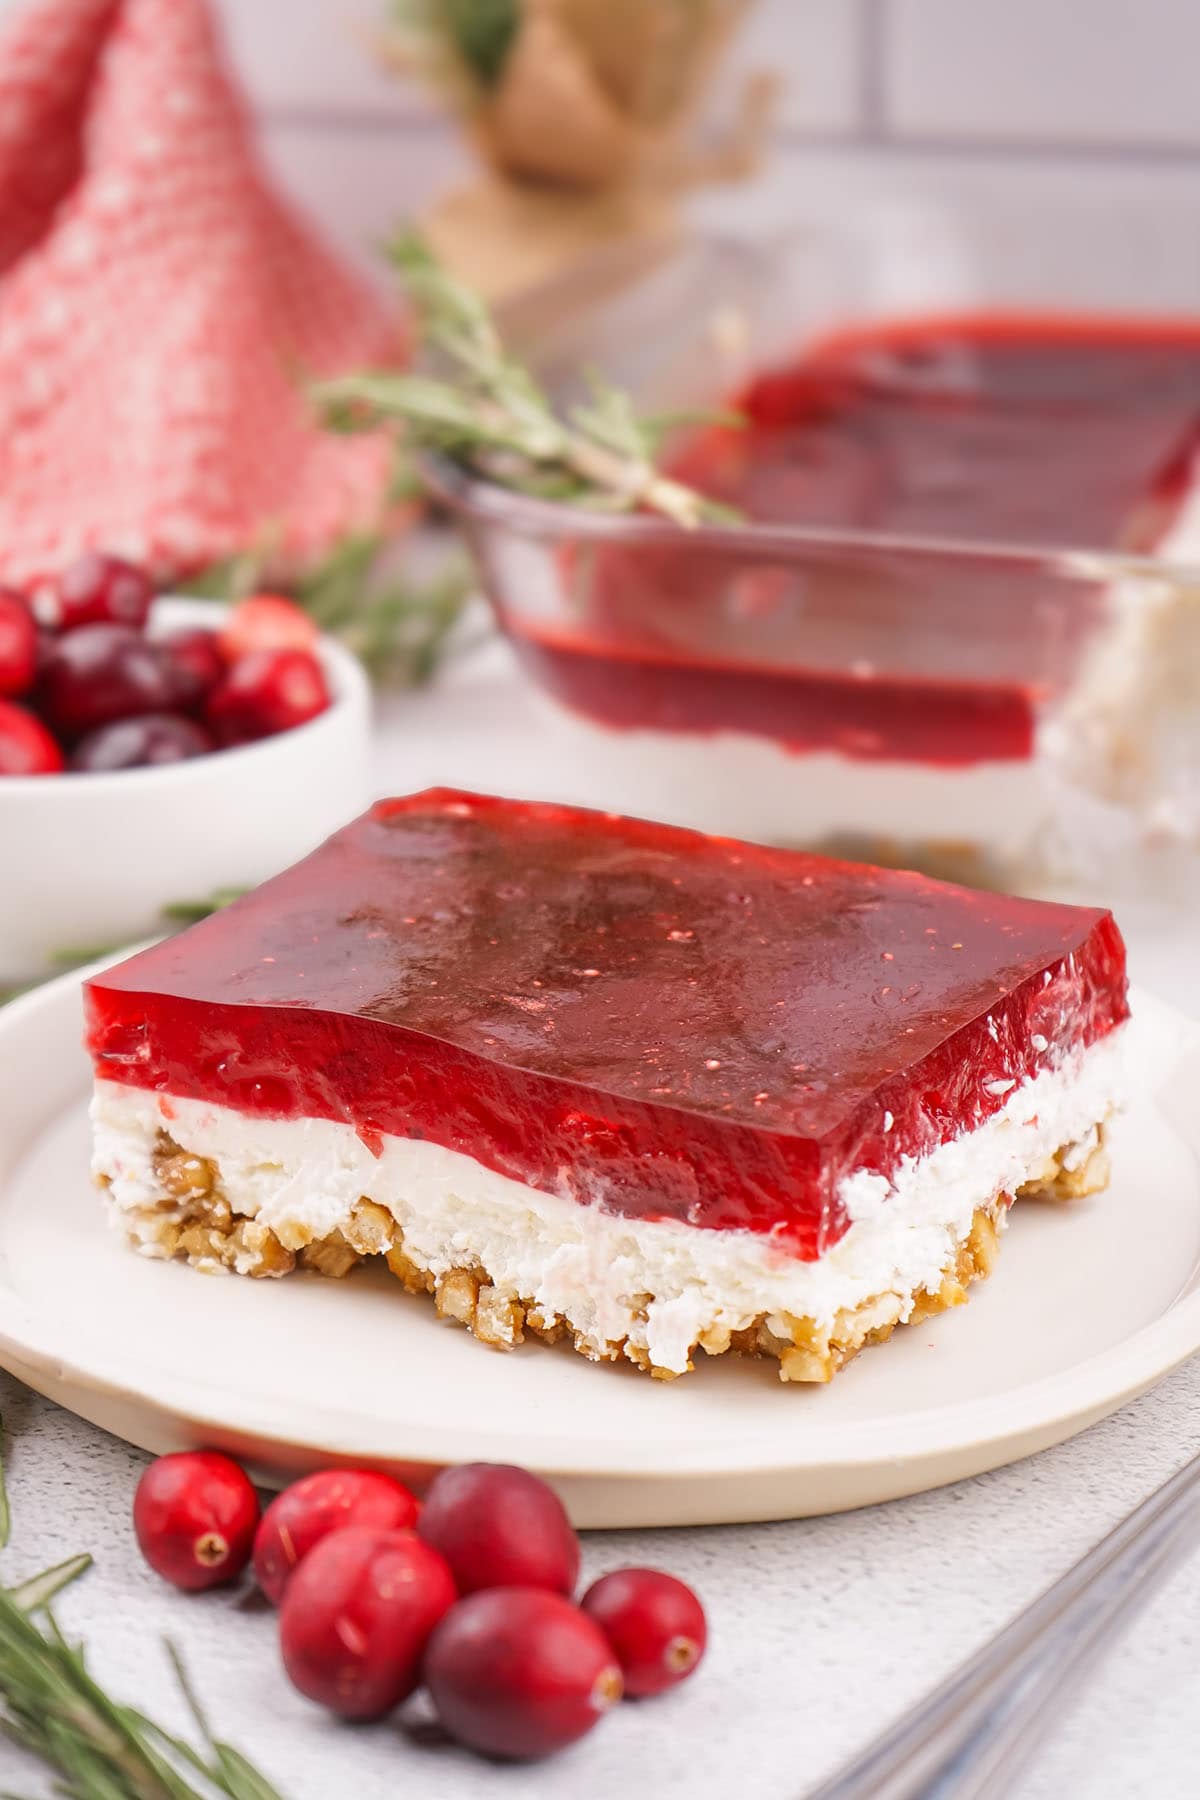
x=155 y=750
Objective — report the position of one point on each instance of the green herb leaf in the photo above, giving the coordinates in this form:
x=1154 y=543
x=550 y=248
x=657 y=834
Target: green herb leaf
x=483 y=32
x=101 y=1750
x=39 y=1590
x=74 y=956
x=241 y=1780
x=176 y=912
x=5 y=1516
x=231 y=579
x=475 y=35
x=400 y=627
x=187 y=912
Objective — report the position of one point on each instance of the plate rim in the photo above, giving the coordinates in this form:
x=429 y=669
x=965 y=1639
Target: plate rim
x=1058 y=1402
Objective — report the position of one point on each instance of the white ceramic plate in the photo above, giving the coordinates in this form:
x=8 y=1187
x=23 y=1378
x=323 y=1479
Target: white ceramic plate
x=1090 y=1305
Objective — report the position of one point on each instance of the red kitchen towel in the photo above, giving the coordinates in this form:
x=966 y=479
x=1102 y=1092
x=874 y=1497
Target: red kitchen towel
x=160 y=308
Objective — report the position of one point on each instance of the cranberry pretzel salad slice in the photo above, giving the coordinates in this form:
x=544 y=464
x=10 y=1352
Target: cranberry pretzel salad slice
x=577 y=1075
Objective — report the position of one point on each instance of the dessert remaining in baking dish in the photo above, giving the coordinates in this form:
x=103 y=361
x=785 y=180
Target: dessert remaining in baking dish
x=1052 y=429
x=905 y=649
x=1045 y=433
x=580 y=1075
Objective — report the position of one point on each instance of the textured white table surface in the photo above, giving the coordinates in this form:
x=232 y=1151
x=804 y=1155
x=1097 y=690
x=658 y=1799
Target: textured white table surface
x=820 y=1629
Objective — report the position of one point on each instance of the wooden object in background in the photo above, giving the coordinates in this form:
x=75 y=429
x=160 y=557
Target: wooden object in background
x=586 y=116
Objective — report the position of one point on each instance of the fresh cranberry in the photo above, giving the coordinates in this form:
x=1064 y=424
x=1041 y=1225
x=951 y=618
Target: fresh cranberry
x=99 y=590
x=266 y=622
x=46 y=641
x=18 y=644
x=519 y=1672
x=332 y=1500
x=654 y=1623
x=195 y=1514
x=196 y=664
x=499 y=1526
x=144 y=743
x=26 y=747
x=266 y=692
x=356 y=1616
x=100 y=673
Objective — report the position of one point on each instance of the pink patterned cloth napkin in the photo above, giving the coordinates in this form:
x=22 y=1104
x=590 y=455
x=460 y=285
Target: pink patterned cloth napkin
x=160 y=307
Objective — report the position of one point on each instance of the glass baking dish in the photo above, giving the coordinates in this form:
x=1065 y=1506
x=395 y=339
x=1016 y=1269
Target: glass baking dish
x=975 y=650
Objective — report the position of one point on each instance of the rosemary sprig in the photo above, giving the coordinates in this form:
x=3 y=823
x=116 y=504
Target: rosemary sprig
x=458 y=47
x=176 y=913
x=100 y=1749
x=481 y=407
x=401 y=627
x=39 y=1590
x=479 y=32
x=187 y=912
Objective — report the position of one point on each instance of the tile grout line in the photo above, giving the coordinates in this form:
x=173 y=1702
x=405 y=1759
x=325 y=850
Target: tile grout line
x=352 y=121
x=300 y=116
x=948 y=145
x=873 y=36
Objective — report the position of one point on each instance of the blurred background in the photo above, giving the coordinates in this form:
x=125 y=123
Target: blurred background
x=992 y=103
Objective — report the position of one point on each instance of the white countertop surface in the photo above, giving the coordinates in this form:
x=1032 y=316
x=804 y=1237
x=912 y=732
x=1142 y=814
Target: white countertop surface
x=820 y=1630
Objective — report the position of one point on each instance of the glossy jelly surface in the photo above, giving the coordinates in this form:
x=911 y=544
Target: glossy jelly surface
x=1042 y=431
x=1036 y=433
x=642 y=1018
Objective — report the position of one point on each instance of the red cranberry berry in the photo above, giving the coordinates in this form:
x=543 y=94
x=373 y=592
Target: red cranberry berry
x=26 y=747
x=331 y=1500
x=144 y=743
x=196 y=664
x=18 y=644
x=266 y=622
x=195 y=1514
x=100 y=673
x=499 y=1526
x=266 y=692
x=356 y=1617
x=519 y=1672
x=100 y=590
x=654 y=1623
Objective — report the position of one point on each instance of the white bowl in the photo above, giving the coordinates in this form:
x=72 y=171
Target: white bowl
x=91 y=860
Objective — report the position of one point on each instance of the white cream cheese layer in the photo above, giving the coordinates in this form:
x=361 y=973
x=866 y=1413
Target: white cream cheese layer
x=735 y=782
x=594 y=1269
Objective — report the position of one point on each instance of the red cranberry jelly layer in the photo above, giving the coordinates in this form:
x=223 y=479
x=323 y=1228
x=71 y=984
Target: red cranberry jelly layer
x=1034 y=432
x=884 y=716
x=657 y=1022
x=1051 y=431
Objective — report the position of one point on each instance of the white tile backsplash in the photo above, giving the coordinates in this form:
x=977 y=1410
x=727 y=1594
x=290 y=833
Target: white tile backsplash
x=981 y=97
x=361 y=185
x=1103 y=72
x=1072 y=227
x=815 y=48
x=1036 y=75
x=318 y=55
x=1072 y=230
x=314 y=55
